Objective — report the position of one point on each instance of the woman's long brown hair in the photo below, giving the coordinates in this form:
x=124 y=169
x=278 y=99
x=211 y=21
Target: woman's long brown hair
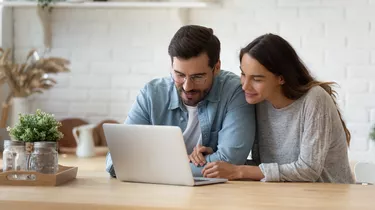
x=279 y=57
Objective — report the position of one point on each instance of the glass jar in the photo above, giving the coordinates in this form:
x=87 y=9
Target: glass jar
x=14 y=156
x=44 y=158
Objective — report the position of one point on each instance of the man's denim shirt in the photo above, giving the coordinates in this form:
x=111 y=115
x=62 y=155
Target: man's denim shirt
x=227 y=121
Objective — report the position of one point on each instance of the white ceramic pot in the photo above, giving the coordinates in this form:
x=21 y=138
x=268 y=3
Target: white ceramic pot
x=20 y=105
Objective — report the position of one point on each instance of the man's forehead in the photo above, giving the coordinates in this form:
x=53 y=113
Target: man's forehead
x=190 y=66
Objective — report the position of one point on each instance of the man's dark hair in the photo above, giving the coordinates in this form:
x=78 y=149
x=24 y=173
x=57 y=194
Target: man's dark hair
x=193 y=40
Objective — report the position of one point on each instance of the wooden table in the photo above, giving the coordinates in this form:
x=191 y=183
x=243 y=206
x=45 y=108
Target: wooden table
x=93 y=189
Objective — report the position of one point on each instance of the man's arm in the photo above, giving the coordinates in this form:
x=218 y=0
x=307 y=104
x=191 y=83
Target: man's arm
x=237 y=135
x=138 y=114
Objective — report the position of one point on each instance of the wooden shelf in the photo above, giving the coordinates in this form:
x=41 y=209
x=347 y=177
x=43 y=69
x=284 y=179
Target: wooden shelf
x=114 y=4
x=181 y=7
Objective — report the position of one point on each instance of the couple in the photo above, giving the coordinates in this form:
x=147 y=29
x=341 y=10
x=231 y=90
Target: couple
x=276 y=108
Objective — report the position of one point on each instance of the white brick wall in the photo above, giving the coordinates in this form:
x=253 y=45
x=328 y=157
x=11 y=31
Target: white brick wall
x=6 y=40
x=114 y=52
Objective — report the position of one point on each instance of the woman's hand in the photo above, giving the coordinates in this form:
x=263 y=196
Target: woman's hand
x=222 y=169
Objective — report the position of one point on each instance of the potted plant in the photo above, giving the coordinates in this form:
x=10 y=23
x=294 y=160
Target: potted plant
x=44 y=12
x=372 y=133
x=372 y=137
x=41 y=133
x=45 y=3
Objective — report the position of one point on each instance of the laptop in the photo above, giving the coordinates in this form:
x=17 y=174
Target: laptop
x=151 y=154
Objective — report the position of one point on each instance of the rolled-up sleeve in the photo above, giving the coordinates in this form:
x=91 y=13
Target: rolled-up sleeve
x=109 y=165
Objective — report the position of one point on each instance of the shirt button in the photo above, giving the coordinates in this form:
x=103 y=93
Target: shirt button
x=182 y=119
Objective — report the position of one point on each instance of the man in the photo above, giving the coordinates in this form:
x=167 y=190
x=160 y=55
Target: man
x=207 y=104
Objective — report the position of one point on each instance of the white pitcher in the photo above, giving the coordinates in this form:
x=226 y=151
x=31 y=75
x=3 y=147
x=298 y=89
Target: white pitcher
x=85 y=140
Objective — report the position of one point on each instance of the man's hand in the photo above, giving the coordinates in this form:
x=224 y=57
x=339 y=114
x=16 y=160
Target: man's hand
x=221 y=169
x=197 y=156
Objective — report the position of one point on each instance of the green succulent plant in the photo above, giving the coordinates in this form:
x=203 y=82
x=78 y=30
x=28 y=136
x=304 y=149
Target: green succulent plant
x=40 y=126
x=372 y=133
x=45 y=3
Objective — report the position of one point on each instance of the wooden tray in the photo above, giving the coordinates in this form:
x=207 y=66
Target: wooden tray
x=99 y=150
x=64 y=175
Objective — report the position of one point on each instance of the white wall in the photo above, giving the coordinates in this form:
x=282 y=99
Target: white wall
x=2 y=89
x=115 y=51
x=6 y=41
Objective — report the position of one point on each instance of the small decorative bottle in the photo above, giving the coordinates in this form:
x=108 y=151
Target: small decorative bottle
x=44 y=158
x=14 y=157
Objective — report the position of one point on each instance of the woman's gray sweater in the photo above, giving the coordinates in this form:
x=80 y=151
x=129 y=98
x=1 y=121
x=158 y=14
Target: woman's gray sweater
x=304 y=141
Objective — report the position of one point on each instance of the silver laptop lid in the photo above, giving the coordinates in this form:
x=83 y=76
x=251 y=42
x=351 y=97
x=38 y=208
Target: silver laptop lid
x=150 y=154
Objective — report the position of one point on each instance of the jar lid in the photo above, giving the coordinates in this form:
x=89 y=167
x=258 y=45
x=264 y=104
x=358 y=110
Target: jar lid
x=44 y=144
x=13 y=143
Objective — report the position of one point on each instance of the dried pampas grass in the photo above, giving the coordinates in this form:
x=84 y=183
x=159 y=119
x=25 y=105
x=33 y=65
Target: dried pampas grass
x=28 y=78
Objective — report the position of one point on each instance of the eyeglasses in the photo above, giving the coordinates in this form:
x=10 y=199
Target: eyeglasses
x=196 y=79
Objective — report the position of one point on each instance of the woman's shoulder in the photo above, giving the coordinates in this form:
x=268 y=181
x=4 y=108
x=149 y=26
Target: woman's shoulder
x=318 y=98
x=317 y=94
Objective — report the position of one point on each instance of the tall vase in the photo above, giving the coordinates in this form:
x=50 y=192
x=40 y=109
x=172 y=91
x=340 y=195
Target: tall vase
x=20 y=105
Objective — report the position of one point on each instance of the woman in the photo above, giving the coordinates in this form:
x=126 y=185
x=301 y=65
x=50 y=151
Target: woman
x=300 y=132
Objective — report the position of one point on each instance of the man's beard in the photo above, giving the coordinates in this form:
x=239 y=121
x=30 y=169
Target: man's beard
x=202 y=94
